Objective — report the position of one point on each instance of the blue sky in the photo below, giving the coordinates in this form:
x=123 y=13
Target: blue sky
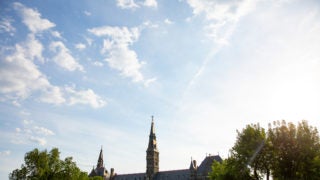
x=79 y=75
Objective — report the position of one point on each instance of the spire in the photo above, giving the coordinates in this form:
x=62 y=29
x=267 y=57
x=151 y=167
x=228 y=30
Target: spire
x=152 y=127
x=100 y=159
x=152 y=153
x=152 y=137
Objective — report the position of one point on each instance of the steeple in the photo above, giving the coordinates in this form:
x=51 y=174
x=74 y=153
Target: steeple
x=152 y=153
x=100 y=159
x=152 y=137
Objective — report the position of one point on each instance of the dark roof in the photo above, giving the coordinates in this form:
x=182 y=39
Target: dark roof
x=205 y=166
x=135 y=176
x=182 y=174
x=92 y=173
x=173 y=175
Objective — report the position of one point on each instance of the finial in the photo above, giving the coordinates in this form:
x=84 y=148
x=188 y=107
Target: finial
x=152 y=118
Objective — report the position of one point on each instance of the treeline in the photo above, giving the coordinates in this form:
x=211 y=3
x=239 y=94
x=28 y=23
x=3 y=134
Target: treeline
x=284 y=151
x=43 y=165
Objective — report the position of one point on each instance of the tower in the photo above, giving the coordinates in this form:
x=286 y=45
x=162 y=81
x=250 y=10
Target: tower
x=152 y=154
x=100 y=170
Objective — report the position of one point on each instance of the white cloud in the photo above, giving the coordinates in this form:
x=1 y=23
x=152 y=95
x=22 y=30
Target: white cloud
x=221 y=16
x=275 y=75
x=6 y=26
x=89 y=41
x=56 y=34
x=127 y=4
x=31 y=134
x=119 y=55
x=126 y=61
x=16 y=103
x=63 y=58
x=122 y=35
x=43 y=131
x=148 y=24
x=97 y=63
x=85 y=97
x=38 y=140
x=132 y=4
x=80 y=46
x=32 y=19
x=26 y=122
x=34 y=48
x=150 y=3
x=19 y=76
x=87 y=13
x=149 y=81
x=18 y=130
x=5 y=153
x=52 y=95
x=167 y=21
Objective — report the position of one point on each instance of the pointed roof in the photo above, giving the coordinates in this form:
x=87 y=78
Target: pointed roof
x=100 y=159
x=92 y=173
x=205 y=166
x=152 y=138
x=152 y=131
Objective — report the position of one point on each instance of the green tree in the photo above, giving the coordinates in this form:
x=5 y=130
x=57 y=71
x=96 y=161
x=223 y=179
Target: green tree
x=251 y=149
x=287 y=151
x=296 y=150
x=230 y=169
x=42 y=165
x=96 y=178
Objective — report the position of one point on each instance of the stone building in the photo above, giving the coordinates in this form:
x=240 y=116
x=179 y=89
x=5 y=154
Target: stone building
x=194 y=172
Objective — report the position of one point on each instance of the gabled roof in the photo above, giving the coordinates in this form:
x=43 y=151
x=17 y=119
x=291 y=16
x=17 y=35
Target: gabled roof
x=205 y=166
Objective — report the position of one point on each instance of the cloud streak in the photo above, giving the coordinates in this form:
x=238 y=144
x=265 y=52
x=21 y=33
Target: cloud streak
x=221 y=18
x=6 y=26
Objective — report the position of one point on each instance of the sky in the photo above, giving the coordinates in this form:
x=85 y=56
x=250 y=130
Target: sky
x=78 y=75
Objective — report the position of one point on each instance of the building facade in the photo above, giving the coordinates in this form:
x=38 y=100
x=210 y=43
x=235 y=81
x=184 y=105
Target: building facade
x=194 y=172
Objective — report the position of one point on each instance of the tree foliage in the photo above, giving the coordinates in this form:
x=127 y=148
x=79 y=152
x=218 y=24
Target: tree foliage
x=229 y=169
x=285 y=151
x=248 y=148
x=296 y=150
x=42 y=165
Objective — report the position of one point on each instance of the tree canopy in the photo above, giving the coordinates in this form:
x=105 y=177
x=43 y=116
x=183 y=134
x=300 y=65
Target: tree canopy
x=43 y=165
x=285 y=151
